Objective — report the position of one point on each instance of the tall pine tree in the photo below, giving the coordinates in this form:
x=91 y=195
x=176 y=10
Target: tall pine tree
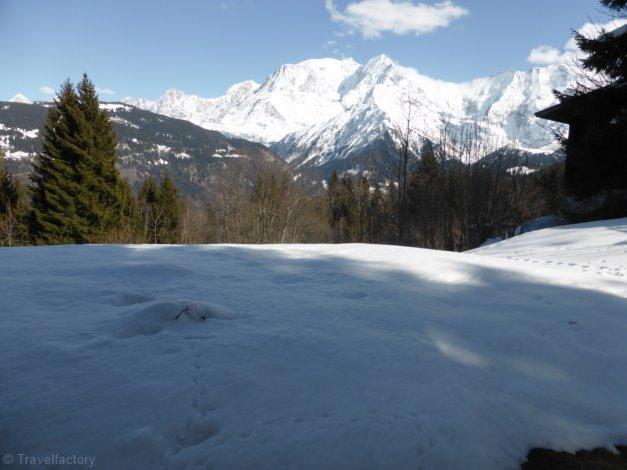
x=78 y=194
x=54 y=217
x=108 y=205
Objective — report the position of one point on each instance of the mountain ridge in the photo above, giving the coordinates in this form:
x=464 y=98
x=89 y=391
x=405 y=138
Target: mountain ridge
x=149 y=145
x=322 y=110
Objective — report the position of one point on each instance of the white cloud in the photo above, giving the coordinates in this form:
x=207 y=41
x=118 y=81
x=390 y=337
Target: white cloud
x=105 y=91
x=373 y=17
x=545 y=55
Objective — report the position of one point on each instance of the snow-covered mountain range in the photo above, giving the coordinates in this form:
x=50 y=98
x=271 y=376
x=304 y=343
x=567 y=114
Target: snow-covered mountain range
x=326 y=110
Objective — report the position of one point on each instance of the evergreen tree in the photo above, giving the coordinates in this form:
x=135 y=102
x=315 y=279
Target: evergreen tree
x=13 y=209
x=148 y=193
x=170 y=208
x=55 y=184
x=350 y=209
x=614 y=4
x=78 y=195
x=160 y=210
x=149 y=211
x=108 y=196
x=607 y=53
x=127 y=226
x=344 y=208
x=6 y=192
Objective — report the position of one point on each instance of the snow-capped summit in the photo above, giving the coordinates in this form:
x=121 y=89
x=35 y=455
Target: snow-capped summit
x=320 y=77
x=328 y=109
x=293 y=98
x=240 y=90
x=20 y=98
x=379 y=65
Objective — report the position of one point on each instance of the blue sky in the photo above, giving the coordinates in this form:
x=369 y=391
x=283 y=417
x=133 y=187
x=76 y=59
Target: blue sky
x=142 y=47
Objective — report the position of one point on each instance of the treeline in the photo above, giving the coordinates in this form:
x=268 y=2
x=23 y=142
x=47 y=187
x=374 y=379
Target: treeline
x=268 y=209
x=450 y=207
x=433 y=200
x=445 y=205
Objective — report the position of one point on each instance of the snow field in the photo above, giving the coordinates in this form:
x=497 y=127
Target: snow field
x=315 y=356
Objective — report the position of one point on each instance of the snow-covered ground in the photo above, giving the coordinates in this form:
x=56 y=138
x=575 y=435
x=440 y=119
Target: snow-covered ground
x=595 y=247
x=321 y=356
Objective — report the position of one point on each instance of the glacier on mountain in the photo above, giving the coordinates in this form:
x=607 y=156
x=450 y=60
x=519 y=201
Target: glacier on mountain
x=321 y=110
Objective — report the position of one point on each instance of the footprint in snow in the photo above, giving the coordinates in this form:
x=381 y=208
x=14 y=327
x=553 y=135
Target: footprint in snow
x=196 y=432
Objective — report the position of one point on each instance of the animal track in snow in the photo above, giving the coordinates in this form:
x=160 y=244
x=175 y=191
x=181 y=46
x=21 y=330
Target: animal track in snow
x=199 y=427
x=618 y=271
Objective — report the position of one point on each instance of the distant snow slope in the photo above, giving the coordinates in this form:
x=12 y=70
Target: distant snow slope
x=324 y=109
x=595 y=247
x=20 y=98
x=315 y=356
